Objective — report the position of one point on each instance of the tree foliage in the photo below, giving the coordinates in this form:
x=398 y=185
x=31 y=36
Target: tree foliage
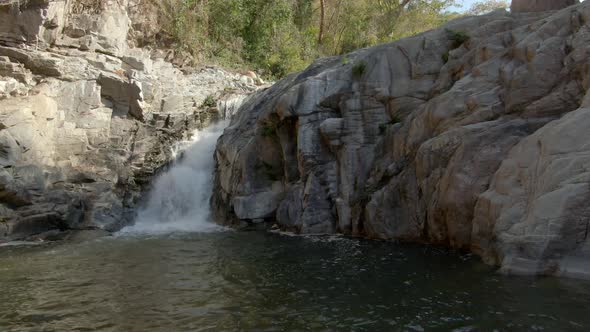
x=486 y=6
x=277 y=37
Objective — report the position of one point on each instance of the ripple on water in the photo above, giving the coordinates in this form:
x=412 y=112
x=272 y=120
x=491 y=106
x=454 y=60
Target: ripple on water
x=257 y=281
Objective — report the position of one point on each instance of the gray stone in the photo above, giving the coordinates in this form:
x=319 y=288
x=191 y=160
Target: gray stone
x=484 y=152
x=125 y=96
x=172 y=104
x=10 y=152
x=519 y=6
x=33 y=23
x=79 y=140
x=260 y=205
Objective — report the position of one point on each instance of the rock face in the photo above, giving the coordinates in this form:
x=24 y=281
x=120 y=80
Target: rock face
x=472 y=136
x=86 y=120
x=519 y=6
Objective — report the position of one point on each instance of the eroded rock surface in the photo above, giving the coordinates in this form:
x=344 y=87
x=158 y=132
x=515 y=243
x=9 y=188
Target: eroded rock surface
x=476 y=143
x=540 y=5
x=86 y=120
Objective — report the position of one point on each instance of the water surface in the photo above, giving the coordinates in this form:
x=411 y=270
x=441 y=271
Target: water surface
x=230 y=281
x=175 y=271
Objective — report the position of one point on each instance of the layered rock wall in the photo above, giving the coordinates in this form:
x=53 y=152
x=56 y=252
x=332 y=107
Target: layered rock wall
x=470 y=136
x=86 y=120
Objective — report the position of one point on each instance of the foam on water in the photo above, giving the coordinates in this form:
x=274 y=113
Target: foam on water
x=179 y=199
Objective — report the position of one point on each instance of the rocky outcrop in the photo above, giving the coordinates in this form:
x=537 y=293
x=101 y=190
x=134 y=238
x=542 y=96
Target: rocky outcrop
x=519 y=6
x=85 y=120
x=471 y=136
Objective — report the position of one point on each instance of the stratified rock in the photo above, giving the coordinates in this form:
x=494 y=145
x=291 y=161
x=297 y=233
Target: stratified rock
x=475 y=146
x=86 y=121
x=107 y=20
x=124 y=95
x=32 y=22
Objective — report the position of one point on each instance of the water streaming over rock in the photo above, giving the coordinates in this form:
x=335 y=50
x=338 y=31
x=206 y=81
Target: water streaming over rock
x=179 y=199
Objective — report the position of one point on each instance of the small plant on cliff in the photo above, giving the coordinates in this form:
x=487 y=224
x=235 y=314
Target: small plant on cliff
x=267 y=131
x=383 y=127
x=209 y=102
x=445 y=57
x=359 y=69
x=457 y=37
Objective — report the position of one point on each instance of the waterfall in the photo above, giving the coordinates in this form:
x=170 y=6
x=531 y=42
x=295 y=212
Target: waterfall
x=179 y=199
x=229 y=105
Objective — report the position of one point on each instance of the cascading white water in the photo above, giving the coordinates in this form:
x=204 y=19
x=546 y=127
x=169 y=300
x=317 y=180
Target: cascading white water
x=179 y=199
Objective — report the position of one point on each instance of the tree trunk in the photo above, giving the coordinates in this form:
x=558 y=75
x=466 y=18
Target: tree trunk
x=520 y=6
x=322 y=19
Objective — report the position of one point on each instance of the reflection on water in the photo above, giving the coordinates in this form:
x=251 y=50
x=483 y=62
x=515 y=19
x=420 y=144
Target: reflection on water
x=268 y=282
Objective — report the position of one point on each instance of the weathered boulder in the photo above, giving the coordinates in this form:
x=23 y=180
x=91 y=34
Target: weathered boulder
x=428 y=141
x=519 y=6
x=535 y=216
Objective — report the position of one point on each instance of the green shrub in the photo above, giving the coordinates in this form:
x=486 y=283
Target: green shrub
x=209 y=102
x=280 y=37
x=445 y=57
x=268 y=131
x=359 y=69
x=457 y=37
x=383 y=127
x=344 y=60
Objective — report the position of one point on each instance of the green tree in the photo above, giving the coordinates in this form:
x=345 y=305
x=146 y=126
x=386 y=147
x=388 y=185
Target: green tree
x=277 y=37
x=486 y=6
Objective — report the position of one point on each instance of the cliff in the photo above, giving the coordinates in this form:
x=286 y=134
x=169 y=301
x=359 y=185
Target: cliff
x=521 y=6
x=473 y=136
x=87 y=119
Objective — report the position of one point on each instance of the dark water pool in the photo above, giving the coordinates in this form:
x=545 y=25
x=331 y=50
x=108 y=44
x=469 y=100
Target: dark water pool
x=252 y=281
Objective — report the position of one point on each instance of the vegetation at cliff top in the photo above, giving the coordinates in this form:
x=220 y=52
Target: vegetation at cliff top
x=277 y=37
x=209 y=102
